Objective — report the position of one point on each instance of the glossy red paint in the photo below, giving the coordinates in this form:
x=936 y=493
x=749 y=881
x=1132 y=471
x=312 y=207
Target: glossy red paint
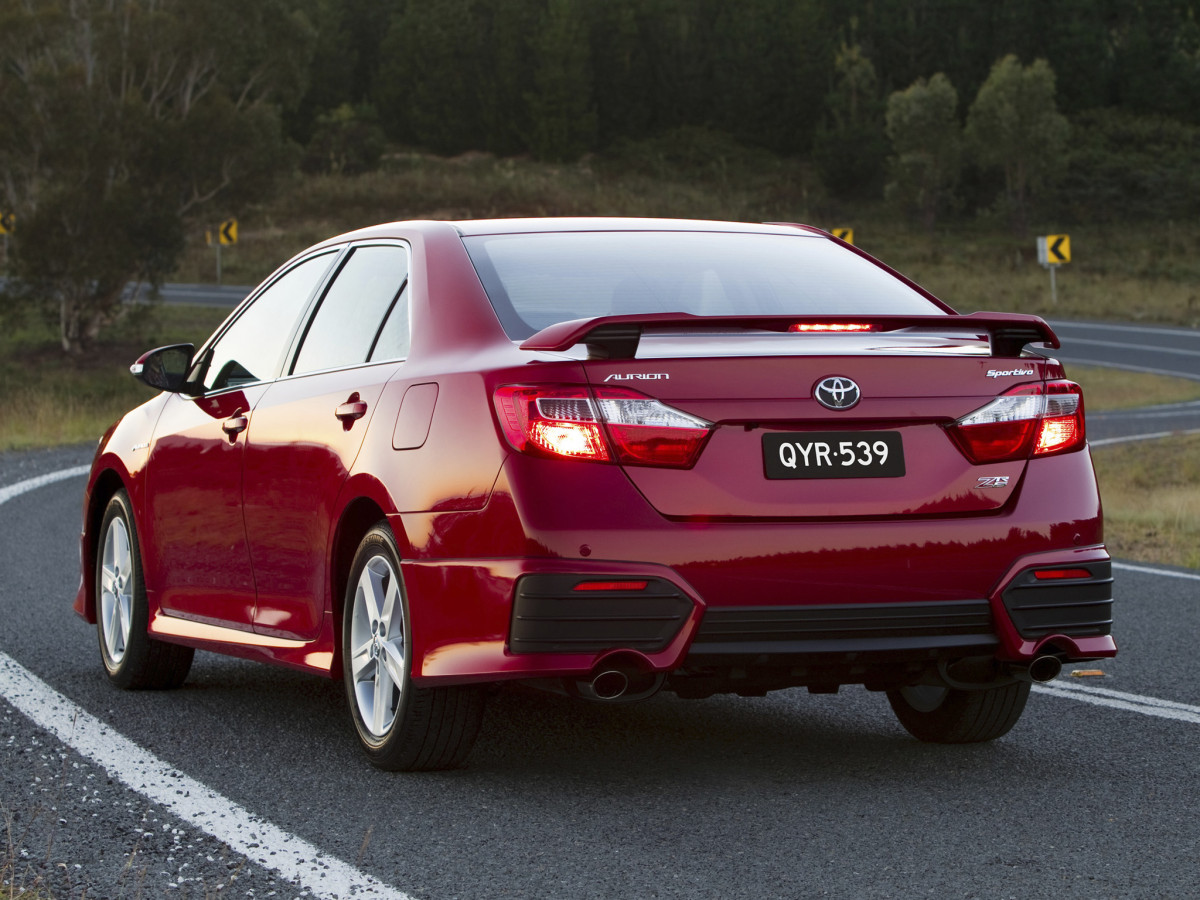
x=252 y=499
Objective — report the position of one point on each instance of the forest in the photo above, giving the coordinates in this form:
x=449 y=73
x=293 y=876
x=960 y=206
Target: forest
x=126 y=123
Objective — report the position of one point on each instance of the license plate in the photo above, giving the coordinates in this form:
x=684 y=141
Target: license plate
x=833 y=454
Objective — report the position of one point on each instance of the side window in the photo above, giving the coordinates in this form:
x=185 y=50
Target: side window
x=393 y=337
x=250 y=350
x=348 y=320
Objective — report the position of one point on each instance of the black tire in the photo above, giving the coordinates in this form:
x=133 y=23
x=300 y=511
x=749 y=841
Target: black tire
x=131 y=658
x=413 y=728
x=949 y=716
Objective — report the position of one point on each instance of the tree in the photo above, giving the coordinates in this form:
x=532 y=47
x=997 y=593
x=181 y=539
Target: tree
x=428 y=81
x=561 y=109
x=120 y=121
x=849 y=151
x=922 y=124
x=1014 y=125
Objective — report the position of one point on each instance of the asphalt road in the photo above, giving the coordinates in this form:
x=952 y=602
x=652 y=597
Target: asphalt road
x=1091 y=795
x=1134 y=348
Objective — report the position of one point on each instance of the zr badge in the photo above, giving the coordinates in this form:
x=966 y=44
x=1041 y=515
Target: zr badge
x=992 y=481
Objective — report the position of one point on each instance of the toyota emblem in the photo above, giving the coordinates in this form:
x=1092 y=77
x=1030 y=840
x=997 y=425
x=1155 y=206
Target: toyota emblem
x=837 y=392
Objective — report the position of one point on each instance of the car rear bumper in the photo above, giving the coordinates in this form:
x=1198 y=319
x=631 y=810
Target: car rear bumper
x=787 y=593
x=529 y=622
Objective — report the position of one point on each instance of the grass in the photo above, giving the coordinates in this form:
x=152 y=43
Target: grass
x=1149 y=273
x=1151 y=493
x=49 y=399
x=1112 y=389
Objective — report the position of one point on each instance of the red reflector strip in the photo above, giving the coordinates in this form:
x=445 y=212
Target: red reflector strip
x=831 y=327
x=611 y=586
x=1055 y=574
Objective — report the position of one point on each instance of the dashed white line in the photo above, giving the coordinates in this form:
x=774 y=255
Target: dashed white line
x=246 y=833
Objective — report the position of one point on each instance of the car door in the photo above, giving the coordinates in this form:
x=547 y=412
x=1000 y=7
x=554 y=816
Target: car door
x=308 y=429
x=198 y=559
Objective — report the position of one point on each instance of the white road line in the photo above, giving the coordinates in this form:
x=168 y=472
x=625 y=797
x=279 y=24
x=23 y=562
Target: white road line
x=1149 y=570
x=29 y=484
x=1141 y=329
x=1147 y=706
x=247 y=834
x=270 y=846
x=1131 y=438
x=1122 y=345
x=1069 y=357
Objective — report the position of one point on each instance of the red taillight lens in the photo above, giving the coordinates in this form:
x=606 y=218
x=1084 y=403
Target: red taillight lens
x=611 y=586
x=612 y=424
x=1059 y=574
x=647 y=432
x=1030 y=420
x=560 y=423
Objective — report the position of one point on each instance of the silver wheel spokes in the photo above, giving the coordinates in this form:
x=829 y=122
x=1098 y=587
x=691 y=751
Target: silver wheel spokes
x=116 y=591
x=377 y=661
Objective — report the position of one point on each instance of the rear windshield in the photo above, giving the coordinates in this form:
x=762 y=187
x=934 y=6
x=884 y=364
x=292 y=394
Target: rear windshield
x=536 y=280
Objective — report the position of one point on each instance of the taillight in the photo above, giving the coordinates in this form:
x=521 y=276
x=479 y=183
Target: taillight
x=612 y=424
x=1028 y=421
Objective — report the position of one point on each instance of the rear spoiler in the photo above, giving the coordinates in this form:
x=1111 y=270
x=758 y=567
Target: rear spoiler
x=617 y=337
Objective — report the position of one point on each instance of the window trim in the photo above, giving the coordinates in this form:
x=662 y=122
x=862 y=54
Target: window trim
x=292 y=356
x=337 y=254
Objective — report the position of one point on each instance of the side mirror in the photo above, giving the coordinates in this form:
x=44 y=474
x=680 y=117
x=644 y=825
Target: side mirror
x=166 y=368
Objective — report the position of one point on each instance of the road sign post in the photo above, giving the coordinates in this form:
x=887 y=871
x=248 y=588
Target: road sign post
x=1054 y=250
x=8 y=222
x=227 y=233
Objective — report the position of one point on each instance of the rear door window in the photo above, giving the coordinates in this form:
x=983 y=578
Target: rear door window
x=348 y=323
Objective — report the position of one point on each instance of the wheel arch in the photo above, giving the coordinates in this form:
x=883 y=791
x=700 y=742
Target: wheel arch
x=358 y=517
x=104 y=488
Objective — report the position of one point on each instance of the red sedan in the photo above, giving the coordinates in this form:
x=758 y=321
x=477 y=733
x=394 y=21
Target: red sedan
x=608 y=456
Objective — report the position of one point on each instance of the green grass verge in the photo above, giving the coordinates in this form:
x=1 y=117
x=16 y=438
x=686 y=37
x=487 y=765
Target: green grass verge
x=1151 y=494
x=1112 y=389
x=1148 y=273
x=49 y=399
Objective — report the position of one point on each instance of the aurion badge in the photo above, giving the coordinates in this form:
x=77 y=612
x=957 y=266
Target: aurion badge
x=836 y=392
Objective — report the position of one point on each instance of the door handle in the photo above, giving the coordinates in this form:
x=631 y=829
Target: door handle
x=235 y=425
x=353 y=408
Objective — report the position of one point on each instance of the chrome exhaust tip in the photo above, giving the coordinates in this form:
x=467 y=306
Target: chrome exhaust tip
x=609 y=684
x=1044 y=668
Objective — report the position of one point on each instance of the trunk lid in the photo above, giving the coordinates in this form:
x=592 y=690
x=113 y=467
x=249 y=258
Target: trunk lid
x=776 y=452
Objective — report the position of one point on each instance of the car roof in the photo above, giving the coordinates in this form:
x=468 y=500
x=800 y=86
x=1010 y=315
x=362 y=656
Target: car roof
x=525 y=226
x=476 y=227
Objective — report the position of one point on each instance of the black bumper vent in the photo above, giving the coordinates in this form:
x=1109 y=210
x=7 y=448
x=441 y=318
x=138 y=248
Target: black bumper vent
x=1075 y=607
x=856 y=628
x=551 y=616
